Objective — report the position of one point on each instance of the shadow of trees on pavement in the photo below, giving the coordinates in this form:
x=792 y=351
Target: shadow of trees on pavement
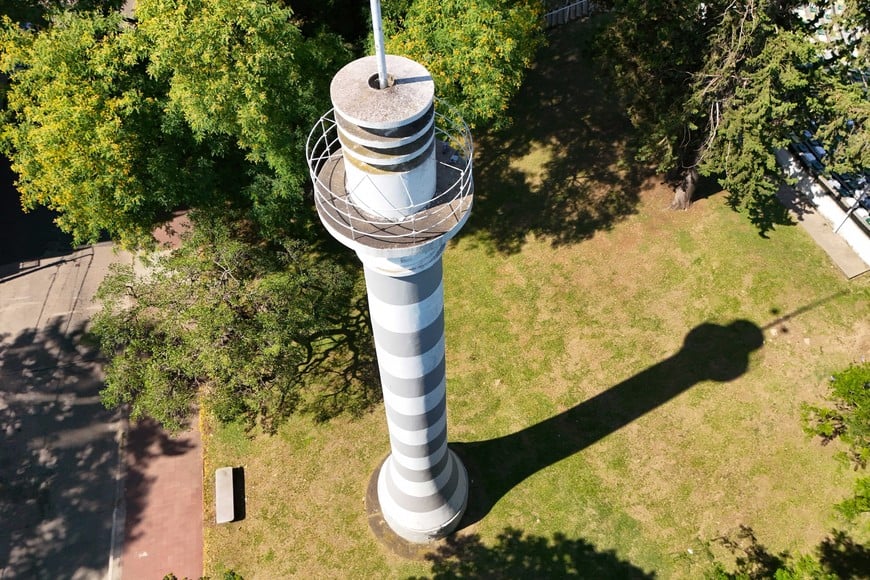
x=517 y=555
x=710 y=352
x=564 y=169
x=58 y=458
x=61 y=499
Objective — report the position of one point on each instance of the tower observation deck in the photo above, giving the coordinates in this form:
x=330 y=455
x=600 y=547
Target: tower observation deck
x=389 y=172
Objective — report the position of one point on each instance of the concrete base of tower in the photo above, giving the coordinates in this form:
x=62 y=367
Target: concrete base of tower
x=425 y=526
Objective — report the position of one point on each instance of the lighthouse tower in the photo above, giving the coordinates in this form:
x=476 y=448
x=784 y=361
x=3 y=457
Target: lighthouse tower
x=393 y=182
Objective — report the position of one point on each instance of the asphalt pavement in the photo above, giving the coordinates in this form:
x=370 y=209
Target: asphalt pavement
x=59 y=461
x=82 y=496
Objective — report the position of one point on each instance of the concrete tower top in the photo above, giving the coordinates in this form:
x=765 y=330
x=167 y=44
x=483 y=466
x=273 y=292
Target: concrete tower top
x=356 y=97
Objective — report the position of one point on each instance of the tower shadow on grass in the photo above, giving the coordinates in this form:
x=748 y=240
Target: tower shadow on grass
x=710 y=352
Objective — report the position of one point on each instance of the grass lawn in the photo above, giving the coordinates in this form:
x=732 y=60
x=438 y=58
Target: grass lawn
x=625 y=381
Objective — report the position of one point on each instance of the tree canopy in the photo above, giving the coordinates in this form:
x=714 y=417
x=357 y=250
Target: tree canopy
x=720 y=86
x=89 y=132
x=113 y=123
x=200 y=103
x=206 y=104
x=847 y=419
x=255 y=331
x=243 y=71
x=476 y=50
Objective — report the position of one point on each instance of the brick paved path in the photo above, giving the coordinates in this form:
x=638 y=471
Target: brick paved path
x=163 y=492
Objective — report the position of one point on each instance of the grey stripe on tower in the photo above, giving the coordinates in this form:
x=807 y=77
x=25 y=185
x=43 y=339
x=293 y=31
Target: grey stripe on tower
x=407 y=289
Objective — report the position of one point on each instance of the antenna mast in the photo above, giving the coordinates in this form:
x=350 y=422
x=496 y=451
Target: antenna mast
x=379 y=43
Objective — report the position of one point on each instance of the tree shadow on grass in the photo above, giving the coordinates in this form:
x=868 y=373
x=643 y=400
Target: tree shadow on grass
x=345 y=371
x=838 y=554
x=752 y=558
x=841 y=555
x=565 y=168
x=517 y=555
x=710 y=352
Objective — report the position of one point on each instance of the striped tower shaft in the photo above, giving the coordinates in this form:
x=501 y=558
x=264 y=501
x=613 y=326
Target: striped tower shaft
x=396 y=193
x=422 y=485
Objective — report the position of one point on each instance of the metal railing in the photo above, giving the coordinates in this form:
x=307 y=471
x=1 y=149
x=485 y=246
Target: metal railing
x=454 y=155
x=567 y=13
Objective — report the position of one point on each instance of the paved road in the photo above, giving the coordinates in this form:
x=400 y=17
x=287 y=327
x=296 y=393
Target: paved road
x=82 y=495
x=59 y=458
x=163 y=531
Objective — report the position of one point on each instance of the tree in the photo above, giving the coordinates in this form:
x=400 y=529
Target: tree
x=89 y=133
x=476 y=50
x=849 y=421
x=202 y=102
x=206 y=104
x=255 y=331
x=243 y=71
x=720 y=86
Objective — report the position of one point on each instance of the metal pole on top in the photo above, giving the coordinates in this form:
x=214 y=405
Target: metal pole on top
x=379 y=43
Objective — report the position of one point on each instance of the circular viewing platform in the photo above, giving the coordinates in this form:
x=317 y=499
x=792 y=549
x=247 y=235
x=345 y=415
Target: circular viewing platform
x=422 y=223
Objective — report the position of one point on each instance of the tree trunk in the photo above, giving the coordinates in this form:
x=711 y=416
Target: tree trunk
x=685 y=190
x=682 y=198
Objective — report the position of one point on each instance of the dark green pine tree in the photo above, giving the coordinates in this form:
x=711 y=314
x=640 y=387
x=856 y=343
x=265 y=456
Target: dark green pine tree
x=717 y=87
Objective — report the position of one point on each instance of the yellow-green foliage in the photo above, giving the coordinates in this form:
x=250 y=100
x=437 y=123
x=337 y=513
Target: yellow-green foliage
x=476 y=50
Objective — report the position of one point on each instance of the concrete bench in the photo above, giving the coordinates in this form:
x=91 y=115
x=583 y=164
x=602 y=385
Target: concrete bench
x=224 y=495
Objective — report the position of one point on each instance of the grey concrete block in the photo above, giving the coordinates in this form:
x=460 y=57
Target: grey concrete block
x=224 y=496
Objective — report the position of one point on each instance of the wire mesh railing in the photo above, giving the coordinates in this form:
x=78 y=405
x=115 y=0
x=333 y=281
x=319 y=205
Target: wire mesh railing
x=454 y=150
x=555 y=15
